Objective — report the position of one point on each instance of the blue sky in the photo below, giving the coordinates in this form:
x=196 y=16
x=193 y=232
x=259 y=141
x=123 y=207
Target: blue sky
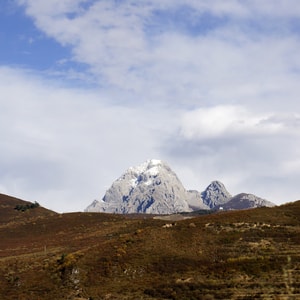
x=90 y=88
x=23 y=44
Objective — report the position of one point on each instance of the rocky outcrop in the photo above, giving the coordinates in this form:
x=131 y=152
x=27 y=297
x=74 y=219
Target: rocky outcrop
x=151 y=187
x=245 y=201
x=215 y=195
x=195 y=200
x=154 y=188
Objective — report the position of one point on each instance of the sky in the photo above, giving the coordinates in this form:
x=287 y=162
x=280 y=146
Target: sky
x=89 y=88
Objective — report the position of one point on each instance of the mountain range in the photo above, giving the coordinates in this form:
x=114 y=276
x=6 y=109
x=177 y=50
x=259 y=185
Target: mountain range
x=154 y=188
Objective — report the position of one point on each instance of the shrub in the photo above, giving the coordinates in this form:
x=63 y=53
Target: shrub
x=24 y=207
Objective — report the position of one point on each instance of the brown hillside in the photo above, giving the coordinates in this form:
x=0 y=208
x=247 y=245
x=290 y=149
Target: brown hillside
x=252 y=254
x=9 y=213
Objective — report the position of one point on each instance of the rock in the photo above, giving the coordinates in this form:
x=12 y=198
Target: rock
x=215 y=195
x=151 y=187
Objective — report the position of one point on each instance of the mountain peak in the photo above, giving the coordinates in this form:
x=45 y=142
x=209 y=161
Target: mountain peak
x=216 y=184
x=152 y=166
x=215 y=194
x=151 y=187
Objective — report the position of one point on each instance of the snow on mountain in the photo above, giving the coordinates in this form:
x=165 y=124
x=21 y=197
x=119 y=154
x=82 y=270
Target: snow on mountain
x=152 y=187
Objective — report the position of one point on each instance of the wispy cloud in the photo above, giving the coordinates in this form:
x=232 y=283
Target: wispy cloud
x=153 y=47
x=62 y=142
x=234 y=121
x=210 y=86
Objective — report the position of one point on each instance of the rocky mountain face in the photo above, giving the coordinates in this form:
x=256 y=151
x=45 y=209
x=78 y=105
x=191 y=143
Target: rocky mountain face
x=151 y=187
x=154 y=188
x=244 y=201
x=215 y=195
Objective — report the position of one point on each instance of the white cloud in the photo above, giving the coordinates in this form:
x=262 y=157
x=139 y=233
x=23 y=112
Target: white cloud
x=212 y=87
x=234 y=121
x=53 y=7
x=249 y=152
x=63 y=147
x=129 y=46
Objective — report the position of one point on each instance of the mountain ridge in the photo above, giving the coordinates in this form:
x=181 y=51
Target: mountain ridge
x=153 y=187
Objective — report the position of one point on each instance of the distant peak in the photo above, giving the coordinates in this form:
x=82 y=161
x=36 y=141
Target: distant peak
x=154 y=162
x=151 y=187
x=217 y=183
x=148 y=165
x=215 y=194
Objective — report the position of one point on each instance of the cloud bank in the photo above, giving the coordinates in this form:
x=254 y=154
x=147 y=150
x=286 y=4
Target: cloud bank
x=210 y=87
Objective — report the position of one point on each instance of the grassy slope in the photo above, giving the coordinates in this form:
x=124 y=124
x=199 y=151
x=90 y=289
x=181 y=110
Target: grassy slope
x=9 y=214
x=232 y=255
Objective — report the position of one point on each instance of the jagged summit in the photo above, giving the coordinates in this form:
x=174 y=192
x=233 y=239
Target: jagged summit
x=145 y=172
x=150 y=165
x=215 y=194
x=152 y=187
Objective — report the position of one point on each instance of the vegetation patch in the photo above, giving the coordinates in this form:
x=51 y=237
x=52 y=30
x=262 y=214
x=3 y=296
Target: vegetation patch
x=24 y=207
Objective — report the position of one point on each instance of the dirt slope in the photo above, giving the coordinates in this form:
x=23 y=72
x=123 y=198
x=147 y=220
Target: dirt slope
x=253 y=254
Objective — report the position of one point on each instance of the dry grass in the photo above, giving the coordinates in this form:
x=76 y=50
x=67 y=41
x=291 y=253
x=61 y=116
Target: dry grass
x=253 y=254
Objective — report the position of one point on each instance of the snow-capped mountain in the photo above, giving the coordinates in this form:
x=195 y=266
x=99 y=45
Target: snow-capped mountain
x=151 y=187
x=154 y=188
